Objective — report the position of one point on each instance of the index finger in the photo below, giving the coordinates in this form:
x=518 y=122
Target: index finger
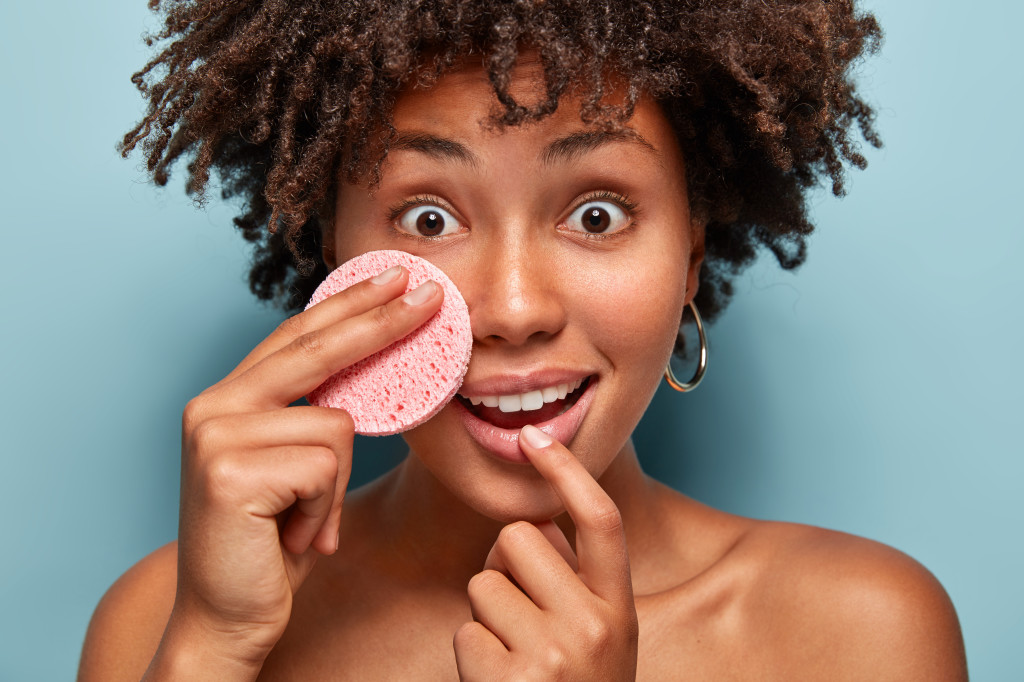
x=354 y=300
x=293 y=371
x=600 y=537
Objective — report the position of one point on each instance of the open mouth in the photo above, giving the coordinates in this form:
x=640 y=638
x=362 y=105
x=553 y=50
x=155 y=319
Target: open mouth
x=516 y=411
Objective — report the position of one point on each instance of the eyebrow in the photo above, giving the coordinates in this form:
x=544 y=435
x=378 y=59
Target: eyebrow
x=440 y=148
x=565 y=149
x=572 y=147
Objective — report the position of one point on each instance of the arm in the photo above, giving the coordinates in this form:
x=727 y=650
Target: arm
x=262 y=488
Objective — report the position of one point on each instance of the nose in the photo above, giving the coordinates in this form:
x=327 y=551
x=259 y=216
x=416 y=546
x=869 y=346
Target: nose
x=515 y=292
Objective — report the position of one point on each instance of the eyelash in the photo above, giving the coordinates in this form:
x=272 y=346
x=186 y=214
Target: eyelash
x=396 y=211
x=623 y=201
x=603 y=195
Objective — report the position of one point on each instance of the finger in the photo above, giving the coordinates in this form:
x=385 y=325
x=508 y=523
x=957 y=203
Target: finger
x=354 y=300
x=267 y=482
x=314 y=498
x=557 y=538
x=479 y=654
x=293 y=371
x=326 y=540
x=554 y=535
x=298 y=425
x=600 y=538
x=502 y=608
x=289 y=427
x=523 y=552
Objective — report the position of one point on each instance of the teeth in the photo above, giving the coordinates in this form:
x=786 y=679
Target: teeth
x=534 y=400
x=510 y=403
x=526 y=402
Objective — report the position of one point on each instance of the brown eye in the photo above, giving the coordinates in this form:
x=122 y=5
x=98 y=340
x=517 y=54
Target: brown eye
x=596 y=220
x=428 y=221
x=598 y=217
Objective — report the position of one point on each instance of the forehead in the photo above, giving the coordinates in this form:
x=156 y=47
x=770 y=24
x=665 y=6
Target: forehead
x=461 y=105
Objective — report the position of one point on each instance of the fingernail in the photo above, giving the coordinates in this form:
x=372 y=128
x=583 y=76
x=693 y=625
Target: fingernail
x=421 y=294
x=388 y=275
x=535 y=437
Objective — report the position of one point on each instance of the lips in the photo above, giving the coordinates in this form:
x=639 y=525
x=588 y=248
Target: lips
x=534 y=407
x=560 y=419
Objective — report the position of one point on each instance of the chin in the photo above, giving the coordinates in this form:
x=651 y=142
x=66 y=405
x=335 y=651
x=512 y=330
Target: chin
x=490 y=486
x=531 y=505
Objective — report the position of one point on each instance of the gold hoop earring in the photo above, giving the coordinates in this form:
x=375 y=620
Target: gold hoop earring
x=702 y=366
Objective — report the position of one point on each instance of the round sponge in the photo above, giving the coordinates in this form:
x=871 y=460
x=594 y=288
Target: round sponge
x=408 y=382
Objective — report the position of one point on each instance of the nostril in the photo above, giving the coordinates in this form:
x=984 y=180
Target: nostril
x=509 y=306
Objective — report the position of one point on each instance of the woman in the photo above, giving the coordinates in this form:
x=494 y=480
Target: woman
x=583 y=174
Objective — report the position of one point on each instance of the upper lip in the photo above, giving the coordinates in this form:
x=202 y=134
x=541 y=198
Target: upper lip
x=511 y=384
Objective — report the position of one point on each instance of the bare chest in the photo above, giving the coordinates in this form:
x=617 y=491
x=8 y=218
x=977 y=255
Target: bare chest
x=409 y=637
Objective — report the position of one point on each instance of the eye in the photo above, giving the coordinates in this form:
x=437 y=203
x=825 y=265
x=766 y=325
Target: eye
x=598 y=217
x=427 y=221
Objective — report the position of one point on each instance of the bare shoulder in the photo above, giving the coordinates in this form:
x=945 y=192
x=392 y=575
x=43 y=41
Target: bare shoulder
x=129 y=621
x=850 y=608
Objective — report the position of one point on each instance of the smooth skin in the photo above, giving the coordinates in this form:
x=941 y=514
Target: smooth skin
x=458 y=565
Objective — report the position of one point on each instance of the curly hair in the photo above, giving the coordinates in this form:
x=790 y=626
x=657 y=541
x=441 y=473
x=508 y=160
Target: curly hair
x=281 y=98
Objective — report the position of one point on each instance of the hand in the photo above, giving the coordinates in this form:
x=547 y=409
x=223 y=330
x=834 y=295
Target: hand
x=262 y=482
x=564 y=621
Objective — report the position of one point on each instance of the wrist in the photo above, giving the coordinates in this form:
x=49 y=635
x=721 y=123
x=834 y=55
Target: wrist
x=192 y=650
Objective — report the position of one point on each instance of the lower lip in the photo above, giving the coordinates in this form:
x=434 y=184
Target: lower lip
x=504 y=443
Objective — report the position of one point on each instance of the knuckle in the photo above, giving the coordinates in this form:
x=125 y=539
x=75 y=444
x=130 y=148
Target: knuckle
x=292 y=327
x=606 y=518
x=597 y=633
x=383 y=316
x=310 y=345
x=343 y=423
x=515 y=534
x=223 y=477
x=206 y=436
x=295 y=326
x=325 y=462
x=193 y=414
x=553 y=660
x=466 y=634
x=483 y=583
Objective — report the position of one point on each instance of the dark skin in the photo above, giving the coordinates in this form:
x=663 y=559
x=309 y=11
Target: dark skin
x=450 y=566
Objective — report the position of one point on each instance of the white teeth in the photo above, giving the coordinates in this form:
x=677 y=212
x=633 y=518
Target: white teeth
x=534 y=400
x=526 y=402
x=510 y=403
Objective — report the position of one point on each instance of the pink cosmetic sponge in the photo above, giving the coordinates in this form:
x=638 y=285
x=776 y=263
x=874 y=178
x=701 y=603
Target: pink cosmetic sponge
x=408 y=382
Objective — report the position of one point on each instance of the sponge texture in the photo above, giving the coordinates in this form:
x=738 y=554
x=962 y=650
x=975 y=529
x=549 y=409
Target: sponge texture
x=408 y=382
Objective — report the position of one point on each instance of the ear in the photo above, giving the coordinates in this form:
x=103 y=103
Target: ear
x=696 y=260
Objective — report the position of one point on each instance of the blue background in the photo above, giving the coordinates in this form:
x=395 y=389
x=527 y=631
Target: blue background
x=873 y=392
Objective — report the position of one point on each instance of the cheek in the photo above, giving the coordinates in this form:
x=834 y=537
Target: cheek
x=632 y=310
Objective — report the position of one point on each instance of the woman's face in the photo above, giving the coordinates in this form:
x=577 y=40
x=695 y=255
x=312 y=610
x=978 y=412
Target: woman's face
x=574 y=250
